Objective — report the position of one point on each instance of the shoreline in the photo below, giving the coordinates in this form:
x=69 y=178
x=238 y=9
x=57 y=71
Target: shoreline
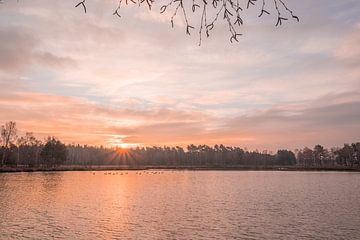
x=67 y=168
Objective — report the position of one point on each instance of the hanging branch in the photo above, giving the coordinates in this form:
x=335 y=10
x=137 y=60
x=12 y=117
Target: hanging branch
x=291 y=12
x=116 y=12
x=252 y=2
x=82 y=3
x=202 y=22
x=211 y=9
x=263 y=10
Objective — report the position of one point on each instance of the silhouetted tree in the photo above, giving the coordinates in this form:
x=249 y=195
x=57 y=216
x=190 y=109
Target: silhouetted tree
x=345 y=155
x=29 y=149
x=54 y=152
x=285 y=157
x=8 y=136
x=356 y=154
x=319 y=154
x=305 y=157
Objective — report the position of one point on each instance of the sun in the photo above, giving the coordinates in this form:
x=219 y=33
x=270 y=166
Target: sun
x=124 y=145
x=118 y=142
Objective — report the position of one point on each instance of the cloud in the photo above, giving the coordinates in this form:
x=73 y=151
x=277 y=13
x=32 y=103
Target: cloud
x=15 y=50
x=91 y=78
x=350 y=48
x=75 y=119
x=18 y=53
x=327 y=120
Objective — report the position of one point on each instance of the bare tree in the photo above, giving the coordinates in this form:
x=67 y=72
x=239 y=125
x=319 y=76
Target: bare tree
x=8 y=135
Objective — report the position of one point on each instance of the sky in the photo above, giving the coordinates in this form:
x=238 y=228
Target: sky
x=98 y=79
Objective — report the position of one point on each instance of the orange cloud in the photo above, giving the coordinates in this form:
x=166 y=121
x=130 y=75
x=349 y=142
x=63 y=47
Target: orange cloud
x=78 y=120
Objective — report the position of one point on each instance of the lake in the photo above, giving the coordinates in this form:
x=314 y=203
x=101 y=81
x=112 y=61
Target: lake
x=180 y=205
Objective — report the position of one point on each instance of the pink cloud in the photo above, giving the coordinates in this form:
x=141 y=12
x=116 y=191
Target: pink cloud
x=350 y=48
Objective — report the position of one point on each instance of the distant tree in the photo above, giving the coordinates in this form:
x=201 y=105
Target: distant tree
x=356 y=148
x=54 y=152
x=333 y=155
x=28 y=149
x=192 y=153
x=11 y=156
x=285 y=157
x=305 y=157
x=239 y=155
x=327 y=158
x=346 y=155
x=319 y=155
x=8 y=136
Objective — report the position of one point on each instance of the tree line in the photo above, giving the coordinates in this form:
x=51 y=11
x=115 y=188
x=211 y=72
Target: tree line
x=28 y=151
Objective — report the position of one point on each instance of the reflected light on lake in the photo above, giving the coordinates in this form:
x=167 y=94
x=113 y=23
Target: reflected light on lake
x=157 y=204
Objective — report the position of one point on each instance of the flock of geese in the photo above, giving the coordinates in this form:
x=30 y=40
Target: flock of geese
x=137 y=172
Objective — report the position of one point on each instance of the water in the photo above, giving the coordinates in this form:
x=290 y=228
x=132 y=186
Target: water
x=180 y=205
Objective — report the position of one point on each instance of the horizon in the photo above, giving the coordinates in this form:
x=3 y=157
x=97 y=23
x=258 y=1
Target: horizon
x=132 y=146
x=98 y=80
